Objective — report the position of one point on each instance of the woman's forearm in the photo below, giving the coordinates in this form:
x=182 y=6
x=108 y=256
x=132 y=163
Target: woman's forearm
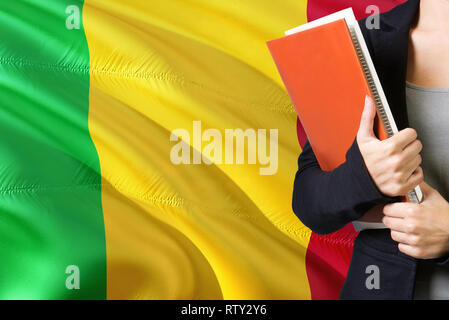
x=327 y=201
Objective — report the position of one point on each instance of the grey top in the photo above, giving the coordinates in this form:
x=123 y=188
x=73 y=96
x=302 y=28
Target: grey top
x=428 y=114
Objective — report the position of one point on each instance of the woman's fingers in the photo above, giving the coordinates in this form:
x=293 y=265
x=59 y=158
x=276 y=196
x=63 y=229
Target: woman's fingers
x=404 y=238
x=415 y=179
x=396 y=224
x=403 y=138
x=412 y=150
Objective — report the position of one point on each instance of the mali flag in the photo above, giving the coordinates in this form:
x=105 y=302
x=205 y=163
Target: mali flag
x=91 y=207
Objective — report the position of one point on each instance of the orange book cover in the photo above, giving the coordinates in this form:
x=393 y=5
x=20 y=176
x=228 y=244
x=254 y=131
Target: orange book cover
x=327 y=85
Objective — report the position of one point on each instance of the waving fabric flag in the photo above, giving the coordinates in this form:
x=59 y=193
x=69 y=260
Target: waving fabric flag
x=92 y=207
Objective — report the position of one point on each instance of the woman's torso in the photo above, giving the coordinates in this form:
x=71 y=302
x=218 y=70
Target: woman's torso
x=428 y=113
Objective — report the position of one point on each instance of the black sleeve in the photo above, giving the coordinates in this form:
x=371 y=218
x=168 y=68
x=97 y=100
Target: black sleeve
x=327 y=201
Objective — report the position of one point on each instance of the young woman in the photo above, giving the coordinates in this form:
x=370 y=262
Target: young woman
x=409 y=51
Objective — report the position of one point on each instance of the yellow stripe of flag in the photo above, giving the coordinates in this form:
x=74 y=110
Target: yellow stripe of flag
x=193 y=231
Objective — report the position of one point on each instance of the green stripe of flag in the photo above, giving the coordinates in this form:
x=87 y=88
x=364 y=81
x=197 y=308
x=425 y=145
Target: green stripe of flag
x=50 y=193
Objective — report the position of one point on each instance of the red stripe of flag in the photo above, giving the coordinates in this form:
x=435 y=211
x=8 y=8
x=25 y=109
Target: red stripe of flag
x=328 y=256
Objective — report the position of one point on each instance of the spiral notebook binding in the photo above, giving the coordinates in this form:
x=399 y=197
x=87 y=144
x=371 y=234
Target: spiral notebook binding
x=413 y=197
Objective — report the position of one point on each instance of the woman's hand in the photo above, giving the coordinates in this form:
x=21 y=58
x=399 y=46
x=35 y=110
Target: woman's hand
x=394 y=163
x=422 y=230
